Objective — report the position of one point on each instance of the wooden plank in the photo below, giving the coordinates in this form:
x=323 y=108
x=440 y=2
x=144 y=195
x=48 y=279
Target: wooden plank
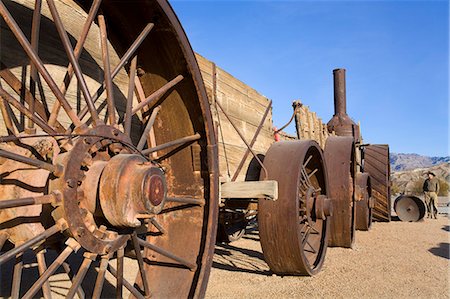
x=251 y=189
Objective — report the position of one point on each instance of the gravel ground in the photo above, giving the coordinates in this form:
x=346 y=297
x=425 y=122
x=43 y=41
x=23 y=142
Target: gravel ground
x=393 y=260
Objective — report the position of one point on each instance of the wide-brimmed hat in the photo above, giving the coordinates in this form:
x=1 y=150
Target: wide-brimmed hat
x=429 y=172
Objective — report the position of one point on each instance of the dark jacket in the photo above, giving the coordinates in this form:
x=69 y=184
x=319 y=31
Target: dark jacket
x=431 y=185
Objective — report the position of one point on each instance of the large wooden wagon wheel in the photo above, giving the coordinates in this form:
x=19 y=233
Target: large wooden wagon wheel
x=108 y=150
x=364 y=201
x=341 y=168
x=293 y=229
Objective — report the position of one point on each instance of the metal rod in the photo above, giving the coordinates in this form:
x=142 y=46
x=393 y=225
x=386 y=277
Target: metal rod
x=122 y=62
x=119 y=285
x=27 y=201
x=19 y=106
x=191 y=266
x=186 y=200
x=100 y=277
x=156 y=224
x=313 y=172
x=247 y=152
x=35 y=27
x=130 y=97
x=73 y=60
x=17 y=277
x=154 y=97
x=179 y=141
x=107 y=71
x=39 y=64
x=7 y=117
x=78 y=50
x=69 y=272
x=82 y=271
x=243 y=139
x=42 y=267
x=147 y=129
x=16 y=85
x=307 y=161
x=29 y=161
x=140 y=260
x=72 y=246
x=128 y=285
x=32 y=242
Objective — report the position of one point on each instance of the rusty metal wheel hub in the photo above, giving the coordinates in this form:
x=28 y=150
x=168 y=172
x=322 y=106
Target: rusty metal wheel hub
x=130 y=185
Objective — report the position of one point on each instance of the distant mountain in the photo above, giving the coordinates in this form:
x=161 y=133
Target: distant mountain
x=412 y=180
x=401 y=162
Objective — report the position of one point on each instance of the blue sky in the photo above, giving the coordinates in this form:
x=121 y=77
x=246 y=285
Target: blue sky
x=396 y=54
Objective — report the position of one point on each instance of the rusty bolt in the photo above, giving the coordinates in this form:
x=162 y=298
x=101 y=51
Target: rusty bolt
x=71 y=183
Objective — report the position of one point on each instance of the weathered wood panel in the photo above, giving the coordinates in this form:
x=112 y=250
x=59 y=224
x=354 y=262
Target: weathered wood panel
x=245 y=107
x=309 y=126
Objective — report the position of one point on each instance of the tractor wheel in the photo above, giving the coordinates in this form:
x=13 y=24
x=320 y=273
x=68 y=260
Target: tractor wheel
x=364 y=201
x=107 y=147
x=293 y=229
x=341 y=168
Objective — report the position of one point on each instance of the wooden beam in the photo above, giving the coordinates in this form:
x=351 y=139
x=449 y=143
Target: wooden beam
x=251 y=189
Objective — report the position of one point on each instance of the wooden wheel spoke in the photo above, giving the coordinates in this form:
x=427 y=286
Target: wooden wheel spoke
x=137 y=250
x=72 y=246
x=73 y=60
x=152 y=99
x=180 y=141
x=78 y=50
x=187 y=264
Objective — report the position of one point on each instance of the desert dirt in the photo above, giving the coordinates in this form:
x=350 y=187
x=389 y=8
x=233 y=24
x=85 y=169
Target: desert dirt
x=392 y=260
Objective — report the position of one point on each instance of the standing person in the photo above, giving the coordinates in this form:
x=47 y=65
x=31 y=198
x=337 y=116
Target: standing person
x=431 y=190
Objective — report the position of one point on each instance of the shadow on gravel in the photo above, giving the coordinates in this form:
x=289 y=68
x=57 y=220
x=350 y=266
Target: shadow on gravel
x=442 y=251
x=59 y=286
x=236 y=259
x=446 y=228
